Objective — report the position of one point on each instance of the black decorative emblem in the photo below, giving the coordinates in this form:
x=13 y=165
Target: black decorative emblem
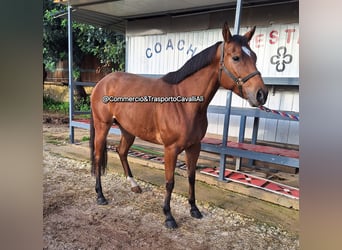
x=281 y=59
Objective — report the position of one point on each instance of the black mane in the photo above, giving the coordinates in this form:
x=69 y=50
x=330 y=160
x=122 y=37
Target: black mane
x=199 y=61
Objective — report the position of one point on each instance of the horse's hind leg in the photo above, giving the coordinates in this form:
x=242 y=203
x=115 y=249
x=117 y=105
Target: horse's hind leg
x=100 y=158
x=126 y=142
x=192 y=154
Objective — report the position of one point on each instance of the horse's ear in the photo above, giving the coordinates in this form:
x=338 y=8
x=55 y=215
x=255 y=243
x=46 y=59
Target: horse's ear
x=226 y=33
x=250 y=34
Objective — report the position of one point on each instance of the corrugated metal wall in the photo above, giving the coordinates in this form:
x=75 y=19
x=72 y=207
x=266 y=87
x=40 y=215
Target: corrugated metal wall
x=277 y=49
x=160 y=54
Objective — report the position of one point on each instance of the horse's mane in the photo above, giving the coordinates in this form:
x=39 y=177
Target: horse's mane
x=197 y=62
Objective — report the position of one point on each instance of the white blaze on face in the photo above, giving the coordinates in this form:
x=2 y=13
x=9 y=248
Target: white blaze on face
x=246 y=50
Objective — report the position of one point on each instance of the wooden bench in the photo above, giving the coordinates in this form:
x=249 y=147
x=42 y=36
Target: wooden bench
x=242 y=149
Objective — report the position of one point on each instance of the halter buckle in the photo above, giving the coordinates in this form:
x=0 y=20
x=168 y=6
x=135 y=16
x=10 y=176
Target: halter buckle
x=239 y=81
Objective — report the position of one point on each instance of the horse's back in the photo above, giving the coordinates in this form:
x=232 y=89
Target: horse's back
x=128 y=84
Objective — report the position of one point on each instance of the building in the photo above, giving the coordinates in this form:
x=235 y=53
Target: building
x=162 y=35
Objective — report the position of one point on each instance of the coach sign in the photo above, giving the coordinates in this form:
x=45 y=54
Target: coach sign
x=179 y=45
x=276 y=46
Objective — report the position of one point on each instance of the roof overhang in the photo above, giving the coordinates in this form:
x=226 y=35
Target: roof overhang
x=114 y=14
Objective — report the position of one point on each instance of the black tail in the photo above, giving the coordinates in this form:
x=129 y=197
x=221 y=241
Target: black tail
x=103 y=157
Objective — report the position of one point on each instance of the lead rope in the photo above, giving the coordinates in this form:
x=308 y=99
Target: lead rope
x=284 y=114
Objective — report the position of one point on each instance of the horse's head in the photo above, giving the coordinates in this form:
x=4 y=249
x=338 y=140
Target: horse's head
x=238 y=71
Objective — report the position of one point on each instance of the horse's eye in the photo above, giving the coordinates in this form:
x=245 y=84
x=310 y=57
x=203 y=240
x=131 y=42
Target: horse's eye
x=236 y=58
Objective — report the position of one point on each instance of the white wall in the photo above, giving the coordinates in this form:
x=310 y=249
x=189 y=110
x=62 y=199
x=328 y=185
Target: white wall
x=269 y=129
x=275 y=46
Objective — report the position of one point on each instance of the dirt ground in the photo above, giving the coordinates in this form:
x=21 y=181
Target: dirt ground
x=73 y=220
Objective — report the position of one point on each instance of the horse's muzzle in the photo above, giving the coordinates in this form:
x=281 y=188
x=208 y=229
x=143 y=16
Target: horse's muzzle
x=262 y=96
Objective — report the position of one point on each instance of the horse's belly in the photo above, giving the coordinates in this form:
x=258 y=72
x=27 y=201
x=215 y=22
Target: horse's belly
x=140 y=128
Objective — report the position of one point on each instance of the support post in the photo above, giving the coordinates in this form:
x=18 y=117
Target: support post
x=229 y=98
x=225 y=135
x=237 y=17
x=238 y=160
x=254 y=137
x=70 y=77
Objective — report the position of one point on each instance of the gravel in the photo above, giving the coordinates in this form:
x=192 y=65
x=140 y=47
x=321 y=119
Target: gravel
x=73 y=220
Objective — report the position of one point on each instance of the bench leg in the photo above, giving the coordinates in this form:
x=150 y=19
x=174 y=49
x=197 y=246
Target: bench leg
x=222 y=167
x=238 y=162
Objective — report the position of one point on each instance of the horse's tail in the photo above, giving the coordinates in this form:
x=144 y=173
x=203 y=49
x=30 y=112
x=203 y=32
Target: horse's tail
x=103 y=154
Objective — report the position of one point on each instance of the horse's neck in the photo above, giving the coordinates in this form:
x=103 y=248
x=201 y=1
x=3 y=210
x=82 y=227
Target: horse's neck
x=203 y=83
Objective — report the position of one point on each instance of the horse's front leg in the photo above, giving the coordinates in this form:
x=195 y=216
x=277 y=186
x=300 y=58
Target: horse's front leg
x=192 y=154
x=170 y=158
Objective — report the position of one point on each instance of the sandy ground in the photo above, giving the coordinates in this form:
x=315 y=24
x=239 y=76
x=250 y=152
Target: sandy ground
x=73 y=220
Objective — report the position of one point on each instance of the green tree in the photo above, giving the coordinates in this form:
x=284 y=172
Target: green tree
x=107 y=45
x=55 y=43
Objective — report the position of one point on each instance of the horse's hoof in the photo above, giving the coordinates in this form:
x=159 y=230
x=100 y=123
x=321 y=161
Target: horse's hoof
x=196 y=213
x=171 y=224
x=136 y=189
x=102 y=201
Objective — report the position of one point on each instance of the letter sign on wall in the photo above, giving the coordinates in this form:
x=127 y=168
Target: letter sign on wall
x=276 y=46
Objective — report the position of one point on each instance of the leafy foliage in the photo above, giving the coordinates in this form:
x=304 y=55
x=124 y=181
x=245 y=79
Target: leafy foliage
x=55 y=43
x=49 y=104
x=108 y=46
x=82 y=104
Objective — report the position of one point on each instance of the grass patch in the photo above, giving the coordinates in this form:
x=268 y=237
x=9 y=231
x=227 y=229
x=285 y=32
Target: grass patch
x=51 y=105
x=146 y=150
x=82 y=104
x=55 y=140
x=85 y=138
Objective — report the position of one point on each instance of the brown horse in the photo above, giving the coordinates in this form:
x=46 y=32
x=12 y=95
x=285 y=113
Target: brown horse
x=172 y=110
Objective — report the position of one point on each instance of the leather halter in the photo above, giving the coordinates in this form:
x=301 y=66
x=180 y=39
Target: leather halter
x=238 y=80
